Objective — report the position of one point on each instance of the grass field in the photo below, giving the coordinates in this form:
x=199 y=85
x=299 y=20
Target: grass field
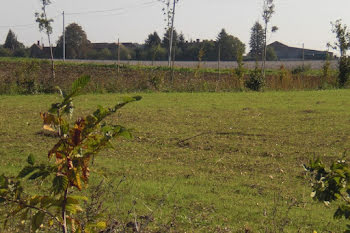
x=217 y=162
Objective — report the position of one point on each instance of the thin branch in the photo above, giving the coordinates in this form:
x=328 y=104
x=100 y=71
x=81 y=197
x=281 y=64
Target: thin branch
x=21 y=203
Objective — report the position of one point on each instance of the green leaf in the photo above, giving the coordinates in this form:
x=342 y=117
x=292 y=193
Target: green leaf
x=79 y=84
x=125 y=133
x=42 y=174
x=3 y=181
x=37 y=221
x=26 y=171
x=73 y=208
x=101 y=225
x=31 y=159
x=59 y=184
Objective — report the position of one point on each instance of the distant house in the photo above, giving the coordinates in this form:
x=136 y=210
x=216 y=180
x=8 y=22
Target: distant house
x=285 y=52
x=40 y=51
x=112 y=46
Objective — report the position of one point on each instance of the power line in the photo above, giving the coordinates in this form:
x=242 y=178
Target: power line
x=146 y=4
x=25 y=25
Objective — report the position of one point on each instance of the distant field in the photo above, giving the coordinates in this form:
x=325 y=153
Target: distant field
x=213 y=65
x=30 y=76
x=221 y=162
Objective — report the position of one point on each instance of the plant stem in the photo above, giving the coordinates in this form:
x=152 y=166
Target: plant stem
x=64 y=216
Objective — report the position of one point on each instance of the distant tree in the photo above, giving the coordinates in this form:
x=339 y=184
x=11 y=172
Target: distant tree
x=257 y=41
x=271 y=54
x=169 y=13
x=268 y=11
x=11 y=42
x=5 y=52
x=77 y=44
x=229 y=45
x=343 y=44
x=153 y=40
x=45 y=25
x=165 y=41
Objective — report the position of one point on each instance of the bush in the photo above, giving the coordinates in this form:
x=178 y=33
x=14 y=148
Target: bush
x=344 y=71
x=256 y=80
x=301 y=69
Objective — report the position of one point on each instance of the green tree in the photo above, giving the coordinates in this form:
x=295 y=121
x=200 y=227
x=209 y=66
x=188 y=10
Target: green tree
x=11 y=42
x=165 y=41
x=153 y=40
x=343 y=45
x=257 y=41
x=271 y=54
x=229 y=45
x=58 y=206
x=77 y=44
x=268 y=11
x=5 y=52
x=45 y=25
x=169 y=13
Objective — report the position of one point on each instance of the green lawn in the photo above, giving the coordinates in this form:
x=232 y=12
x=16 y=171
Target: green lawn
x=218 y=162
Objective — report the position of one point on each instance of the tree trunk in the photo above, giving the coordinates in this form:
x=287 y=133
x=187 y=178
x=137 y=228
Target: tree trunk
x=51 y=53
x=265 y=48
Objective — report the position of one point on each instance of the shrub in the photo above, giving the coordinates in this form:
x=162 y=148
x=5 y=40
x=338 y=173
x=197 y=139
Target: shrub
x=301 y=69
x=331 y=184
x=255 y=81
x=344 y=71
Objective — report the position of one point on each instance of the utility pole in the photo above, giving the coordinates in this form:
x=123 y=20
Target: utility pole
x=64 y=39
x=219 y=59
x=303 y=55
x=118 y=54
x=172 y=34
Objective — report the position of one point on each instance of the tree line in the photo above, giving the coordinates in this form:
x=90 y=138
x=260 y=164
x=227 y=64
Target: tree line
x=225 y=47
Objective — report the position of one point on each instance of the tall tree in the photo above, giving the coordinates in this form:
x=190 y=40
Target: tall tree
x=153 y=40
x=343 y=44
x=166 y=38
x=229 y=46
x=11 y=41
x=77 y=44
x=257 y=41
x=169 y=12
x=268 y=11
x=45 y=25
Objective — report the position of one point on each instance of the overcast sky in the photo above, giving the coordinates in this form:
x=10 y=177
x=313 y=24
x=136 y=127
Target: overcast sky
x=299 y=21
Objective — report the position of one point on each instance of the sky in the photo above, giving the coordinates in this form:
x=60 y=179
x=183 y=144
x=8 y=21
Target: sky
x=299 y=21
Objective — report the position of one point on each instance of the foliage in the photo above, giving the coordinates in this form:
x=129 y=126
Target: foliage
x=77 y=146
x=229 y=45
x=257 y=40
x=301 y=69
x=343 y=44
x=331 y=184
x=268 y=11
x=45 y=25
x=54 y=119
x=153 y=40
x=271 y=54
x=344 y=71
x=256 y=81
x=12 y=43
x=77 y=44
x=343 y=37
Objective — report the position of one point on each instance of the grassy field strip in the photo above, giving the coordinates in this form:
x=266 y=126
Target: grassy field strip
x=220 y=161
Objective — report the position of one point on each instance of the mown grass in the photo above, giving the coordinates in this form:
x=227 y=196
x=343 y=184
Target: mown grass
x=221 y=162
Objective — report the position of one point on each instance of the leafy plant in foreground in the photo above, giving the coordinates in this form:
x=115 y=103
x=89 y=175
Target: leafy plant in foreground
x=73 y=153
x=331 y=184
x=54 y=119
